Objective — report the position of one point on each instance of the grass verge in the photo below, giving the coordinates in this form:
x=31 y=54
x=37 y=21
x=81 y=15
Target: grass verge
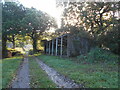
x=38 y=78
x=9 y=68
x=91 y=75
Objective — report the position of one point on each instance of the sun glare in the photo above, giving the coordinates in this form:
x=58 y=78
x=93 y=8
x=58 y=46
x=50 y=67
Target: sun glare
x=48 y=6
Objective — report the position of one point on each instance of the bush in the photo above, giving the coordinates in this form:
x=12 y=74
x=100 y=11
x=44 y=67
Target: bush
x=14 y=52
x=110 y=40
x=98 y=55
x=31 y=52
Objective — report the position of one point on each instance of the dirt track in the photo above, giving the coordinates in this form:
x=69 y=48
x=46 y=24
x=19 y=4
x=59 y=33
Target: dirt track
x=22 y=79
x=60 y=80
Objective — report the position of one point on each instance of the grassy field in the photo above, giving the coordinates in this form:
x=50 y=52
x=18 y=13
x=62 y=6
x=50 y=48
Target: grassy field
x=38 y=78
x=90 y=75
x=9 y=68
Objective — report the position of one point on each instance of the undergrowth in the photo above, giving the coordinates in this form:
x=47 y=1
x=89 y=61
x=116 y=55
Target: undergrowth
x=98 y=55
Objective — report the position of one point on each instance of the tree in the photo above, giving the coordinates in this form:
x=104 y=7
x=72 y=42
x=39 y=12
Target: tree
x=12 y=15
x=35 y=23
x=97 y=18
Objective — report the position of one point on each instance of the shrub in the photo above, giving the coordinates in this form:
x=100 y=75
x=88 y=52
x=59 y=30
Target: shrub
x=14 y=52
x=31 y=52
x=98 y=55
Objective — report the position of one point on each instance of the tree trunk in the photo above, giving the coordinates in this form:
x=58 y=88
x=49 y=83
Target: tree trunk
x=4 y=48
x=13 y=41
x=34 y=45
x=34 y=39
x=13 y=44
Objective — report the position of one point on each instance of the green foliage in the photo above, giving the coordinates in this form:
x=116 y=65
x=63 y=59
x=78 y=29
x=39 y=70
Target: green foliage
x=98 y=55
x=14 y=52
x=38 y=52
x=31 y=52
x=94 y=75
x=18 y=20
x=97 y=18
x=9 y=68
x=36 y=20
x=35 y=23
x=12 y=15
x=110 y=40
x=39 y=78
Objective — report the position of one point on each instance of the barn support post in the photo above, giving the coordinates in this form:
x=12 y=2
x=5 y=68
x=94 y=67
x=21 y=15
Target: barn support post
x=68 y=45
x=46 y=47
x=52 y=47
x=49 y=47
x=56 y=46
x=61 y=48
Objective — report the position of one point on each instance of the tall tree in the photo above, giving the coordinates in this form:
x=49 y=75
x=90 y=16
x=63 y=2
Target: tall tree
x=97 y=18
x=12 y=14
x=35 y=23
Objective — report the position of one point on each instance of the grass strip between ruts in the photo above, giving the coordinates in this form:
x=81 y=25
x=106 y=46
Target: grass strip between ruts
x=38 y=77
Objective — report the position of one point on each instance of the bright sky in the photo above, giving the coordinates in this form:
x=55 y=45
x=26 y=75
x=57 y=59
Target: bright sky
x=48 y=6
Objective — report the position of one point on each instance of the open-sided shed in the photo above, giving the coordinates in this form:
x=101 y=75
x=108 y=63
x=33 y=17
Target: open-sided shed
x=67 y=45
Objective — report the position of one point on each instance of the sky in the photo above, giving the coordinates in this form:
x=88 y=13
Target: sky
x=48 y=6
